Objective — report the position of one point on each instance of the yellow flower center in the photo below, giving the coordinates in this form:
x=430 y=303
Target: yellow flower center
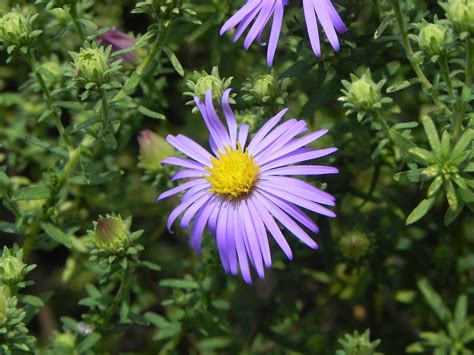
x=233 y=174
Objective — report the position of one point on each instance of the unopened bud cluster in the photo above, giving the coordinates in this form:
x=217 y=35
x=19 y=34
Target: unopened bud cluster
x=201 y=82
x=354 y=245
x=265 y=89
x=433 y=38
x=461 y=14
x=16 y=29
x=92 y=64
x=111 y=234
x=12 y=268
x=362 y=95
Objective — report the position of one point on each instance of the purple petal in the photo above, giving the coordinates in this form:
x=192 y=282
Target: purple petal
x=182 y=187
x=262 y=132
x=181 y=207
x=302 y=170
x=188 y=173
x=271 y=226
x=243 y=133
x=275 y=33
x=240 y=247
x=200 y=224
x=190 y=148
x=250 y=235
x=287 y=222
x=297 y=156
x=261 y=234
x=230 y=118
x=221 y=237
x=239 y=16
x=184 y=163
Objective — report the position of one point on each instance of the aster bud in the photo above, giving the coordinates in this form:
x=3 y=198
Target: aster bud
x=202 y=82
x=358 y=344
x=12 y=268
x=363 y=95
x=111 y=234
x=432 y=39
x=92 y=64
x=461 y=15
x=264 y=85
x=354 y=245
x=15 y=29
x=153 y=149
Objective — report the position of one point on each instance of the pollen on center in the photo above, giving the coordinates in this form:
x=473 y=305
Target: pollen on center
x=233 y=173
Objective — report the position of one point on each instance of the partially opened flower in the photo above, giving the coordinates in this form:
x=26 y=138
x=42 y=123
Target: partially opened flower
x=241 y=191
x=322 y=11
x=119 y=40
x=260 y=12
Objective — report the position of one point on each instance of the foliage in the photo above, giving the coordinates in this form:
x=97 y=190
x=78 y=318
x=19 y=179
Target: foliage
x=82 y=135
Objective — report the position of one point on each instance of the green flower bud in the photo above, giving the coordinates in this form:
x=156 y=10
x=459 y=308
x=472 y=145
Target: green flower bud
x=12 y=268
x=201 y=82
x=354 y=245
x=112 y=234
x=264 y=85
x=364 y=93
x=432 y=39
x=153 y=149
x=14 y=29
x=92 y=65
x=358 y=344
x=461 y=15
x=207 y=82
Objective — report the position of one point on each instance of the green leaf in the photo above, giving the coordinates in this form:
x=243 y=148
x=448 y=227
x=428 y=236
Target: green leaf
x=420 y=210
x=167 y=332
x=33 y=300
x=46 y=146
x=409 y=176
x=37 y=192
x=46 y=114
x=10 y=228
x=451 y=215
x=402 y=142
x=95 y=179
x=383 y=25
x=152 y=114
x=70 y=105
x=174 y=61
x=431 y=133
x=156 y=320
x=421 y=155
x=434 y=300
x=176 y=283
x=149 y=265
x=88 y=342
x=464 y=141
x=451 y=195
x=398 y=86
x=57 y=235
x=435 y=186
x=460 y=311
x=131 y=83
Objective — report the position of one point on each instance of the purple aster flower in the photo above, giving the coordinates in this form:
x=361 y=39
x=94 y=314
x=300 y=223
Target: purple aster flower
x=242 y=190
x=119 y=40
x=324 y=12
x=260 y=12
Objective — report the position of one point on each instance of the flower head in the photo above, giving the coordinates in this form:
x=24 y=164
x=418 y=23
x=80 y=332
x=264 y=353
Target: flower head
x=322 y=11
x=259 y=12
x=243 y=189
x=119 y=41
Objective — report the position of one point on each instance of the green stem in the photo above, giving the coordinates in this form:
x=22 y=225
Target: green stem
x=466 y=93
x=409 y=53
x=146 y=66
x=156 y=49
x=105 y=113
x=443 y=64
x=77 y=23
x=30 y=59
x=118 y=297
x=66 y=173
